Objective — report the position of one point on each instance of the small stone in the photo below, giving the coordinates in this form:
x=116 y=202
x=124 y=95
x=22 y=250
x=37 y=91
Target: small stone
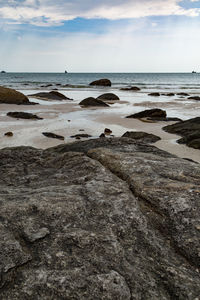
x=107 y=131
x=9 y=133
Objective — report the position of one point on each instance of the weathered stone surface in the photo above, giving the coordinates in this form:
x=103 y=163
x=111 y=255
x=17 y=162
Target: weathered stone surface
x=53 y=95
x=11 y=96
x=108 y=96
x=153 y=113
x=101 y=82
x=53 y=135
x=23 y=115
x=118 y=222
x=90 y=101
x=189 y=130
x=142 y=136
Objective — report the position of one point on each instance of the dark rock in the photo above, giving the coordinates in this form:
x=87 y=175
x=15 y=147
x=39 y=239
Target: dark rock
x=194 y=98
x=153 y=113
x=182 y=94
x=154 y=94
x=90 y=101
x=107 y=131
x=102 y=135
x=11 y=96
x=189 y=130
x=168 y=94
x=108 y=96
x=47 y=85
x=53 y=95
x=132 y=88
x=101 y=82
x=23 y=115
x=9 y=133
x=119 y=222
x=142 y=136
x=81 y=135
x=165 y=119
x=53 y=135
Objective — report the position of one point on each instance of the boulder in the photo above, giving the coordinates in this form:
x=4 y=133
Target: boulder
x=9 y=133
x=11 y=96
x=194 y=98
x=53 y=135
x=101 y=82
x=120 y=221
x=154 y=94
x=23 y=115
x=182 y=94
x=53 y=95
x=189 y=130
x=90 y=101
x=141 y=136
x=152 y=113
x=132 y=88
x=107 y=131
x=168 y=94
x=108 y=96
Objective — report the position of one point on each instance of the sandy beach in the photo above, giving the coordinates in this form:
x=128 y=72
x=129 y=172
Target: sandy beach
x=67 y=118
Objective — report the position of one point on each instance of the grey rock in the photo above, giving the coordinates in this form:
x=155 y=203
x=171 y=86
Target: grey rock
x=120 y=221
x=153 y=113
x=108 y=96
x=90 y=101
x=142 y=136
x=53 y=95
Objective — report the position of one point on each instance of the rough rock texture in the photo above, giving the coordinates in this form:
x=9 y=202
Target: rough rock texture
x=11 y=96
x=108 y=96
x=153 y=113
x=189 y=130
x=118 y=222
x=90 y=101
x=142 y=136
x=101 y=82
x=53 y=95
x=23 y=115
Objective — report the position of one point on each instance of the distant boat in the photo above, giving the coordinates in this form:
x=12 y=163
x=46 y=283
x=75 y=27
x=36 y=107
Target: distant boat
x=66 y=72
x=193 y=72
x=3 y=72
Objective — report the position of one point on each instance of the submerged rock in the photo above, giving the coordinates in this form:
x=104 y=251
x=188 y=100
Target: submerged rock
x=167 y=119
x=53 y=95
x=90 y=101
x=182 y=94
x=141 y=136
x=132 y=88
x=154 y=94
x=120 y=221
x=23 y=115
x=153 y=113
x=53 y=135
x=108 y=96
x=194 y=98
x=101 y=82
x=168 y=94
x=189 y=130
x=11 y=96
x=81 y=135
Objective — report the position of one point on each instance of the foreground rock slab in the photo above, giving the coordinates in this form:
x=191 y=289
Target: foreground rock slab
x=142 y=136
x=189 y=130
x=120 y=221
x=11 y=96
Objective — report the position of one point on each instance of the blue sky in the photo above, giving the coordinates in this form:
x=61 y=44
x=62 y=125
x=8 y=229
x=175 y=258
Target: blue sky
x=100 y=36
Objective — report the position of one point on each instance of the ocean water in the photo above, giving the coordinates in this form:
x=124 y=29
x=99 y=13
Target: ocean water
x=146 y=81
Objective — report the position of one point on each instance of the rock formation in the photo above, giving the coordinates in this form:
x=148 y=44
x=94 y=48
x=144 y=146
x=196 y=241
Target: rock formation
x=152 y=113
x=141 y=136
x=108 y=96
x=11 y=96
x=53 y=95
x=23 y=115
x=90 y=101
x=101 y=82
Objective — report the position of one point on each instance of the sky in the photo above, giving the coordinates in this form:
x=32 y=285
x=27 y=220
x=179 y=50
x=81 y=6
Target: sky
x=100 y=35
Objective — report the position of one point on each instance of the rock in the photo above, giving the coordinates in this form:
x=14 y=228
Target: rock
x=11 y=96
x=9 y=133
x=120 y=221
x=132 y=88
x=53 y=135
x=23 y=115
x=107 y=131
x=90 y=101
x=102 y=135
x=108 y=96
x=53 y=95
x=182 y=94
x=194 y=98
x=168 y=94
x=153 y=113
x=189 y=130
x=47 y=85
x=82 y=135
x=166 y=119
x=101 y=82
x=142 y=136
x=154 y=94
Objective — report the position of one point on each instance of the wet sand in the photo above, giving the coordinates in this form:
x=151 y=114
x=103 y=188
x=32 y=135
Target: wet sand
x=68 y=118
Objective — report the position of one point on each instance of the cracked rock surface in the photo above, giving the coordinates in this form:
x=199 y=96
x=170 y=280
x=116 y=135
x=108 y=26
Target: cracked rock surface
x=99 y=219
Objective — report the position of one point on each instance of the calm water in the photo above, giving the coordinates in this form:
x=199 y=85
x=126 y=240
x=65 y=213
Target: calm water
x=149 y=81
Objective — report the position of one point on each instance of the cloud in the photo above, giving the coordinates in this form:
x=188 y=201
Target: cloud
x=51 y=12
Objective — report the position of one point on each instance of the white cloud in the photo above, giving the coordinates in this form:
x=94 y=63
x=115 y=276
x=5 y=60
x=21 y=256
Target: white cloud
x=49 y=12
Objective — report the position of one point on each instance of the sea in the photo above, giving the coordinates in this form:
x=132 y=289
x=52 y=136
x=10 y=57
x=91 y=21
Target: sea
x=146 y=81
